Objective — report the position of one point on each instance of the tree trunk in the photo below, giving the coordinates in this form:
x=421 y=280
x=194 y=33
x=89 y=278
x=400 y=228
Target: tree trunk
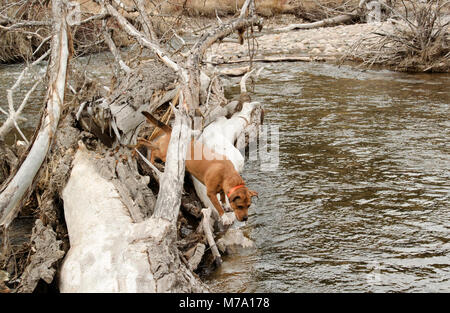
x=109 y=251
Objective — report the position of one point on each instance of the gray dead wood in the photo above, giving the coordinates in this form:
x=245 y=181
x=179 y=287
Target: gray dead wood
x=143 y=89
x=340 y=19
x=110 y=251
x=48 y=252
x=171 y=184
x=196 y=257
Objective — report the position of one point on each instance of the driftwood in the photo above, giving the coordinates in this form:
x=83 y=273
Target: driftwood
x=115 y=52
x=340 y=19
x=132 y=96
x=197 y=255
x=110 y=251
x=277 y=59
x=237 y=71
x=169 y=197
x=207 y=224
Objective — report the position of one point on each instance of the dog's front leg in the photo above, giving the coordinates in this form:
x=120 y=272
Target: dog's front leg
x=224 y=218
x=213 y=197
x=224 y=201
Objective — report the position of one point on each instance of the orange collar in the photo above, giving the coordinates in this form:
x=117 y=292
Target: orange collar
x=234 y=189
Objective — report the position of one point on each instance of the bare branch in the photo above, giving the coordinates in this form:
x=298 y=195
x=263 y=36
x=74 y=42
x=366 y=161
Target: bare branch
x=95 y=17
x=112 y=47
x=326 y=22
x=14 y=113
x=147 y=23
x=132 y=31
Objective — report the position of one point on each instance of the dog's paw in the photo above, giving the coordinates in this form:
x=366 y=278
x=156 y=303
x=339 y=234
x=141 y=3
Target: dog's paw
x=227 y=208
x=227 y=219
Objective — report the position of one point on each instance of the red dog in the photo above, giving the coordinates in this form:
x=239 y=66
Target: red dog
x=214 y=170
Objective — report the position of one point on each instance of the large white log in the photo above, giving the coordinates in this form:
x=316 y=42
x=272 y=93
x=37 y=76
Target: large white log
x=108 y=251
x=100 y=258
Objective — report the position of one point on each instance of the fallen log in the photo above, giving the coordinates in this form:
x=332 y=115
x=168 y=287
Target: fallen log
x=237 y=71
x=110 y=252
x=333 y=21
x=278 y=59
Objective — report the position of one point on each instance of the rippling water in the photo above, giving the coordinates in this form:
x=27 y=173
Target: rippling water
x=361 y=198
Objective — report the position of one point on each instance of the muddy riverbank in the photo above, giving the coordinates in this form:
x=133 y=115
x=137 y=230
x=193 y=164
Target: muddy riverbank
x=330 y=44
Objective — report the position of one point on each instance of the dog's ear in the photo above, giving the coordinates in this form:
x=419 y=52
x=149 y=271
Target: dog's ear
x=151 y=119
x=252 y=193
x=146 y=143
x=234 y=197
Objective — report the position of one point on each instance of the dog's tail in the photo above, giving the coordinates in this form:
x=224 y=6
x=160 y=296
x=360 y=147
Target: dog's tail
x=156 y=122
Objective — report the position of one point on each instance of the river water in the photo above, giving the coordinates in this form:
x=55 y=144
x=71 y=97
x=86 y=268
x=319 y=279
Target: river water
x=360 y=200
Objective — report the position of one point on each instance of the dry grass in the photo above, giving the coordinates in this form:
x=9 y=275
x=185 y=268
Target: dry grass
x=419 y=40
x=316 y=10
x=210 y=8
x=19 y=43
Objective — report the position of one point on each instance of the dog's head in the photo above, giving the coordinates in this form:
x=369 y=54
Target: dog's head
x=240 y=201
